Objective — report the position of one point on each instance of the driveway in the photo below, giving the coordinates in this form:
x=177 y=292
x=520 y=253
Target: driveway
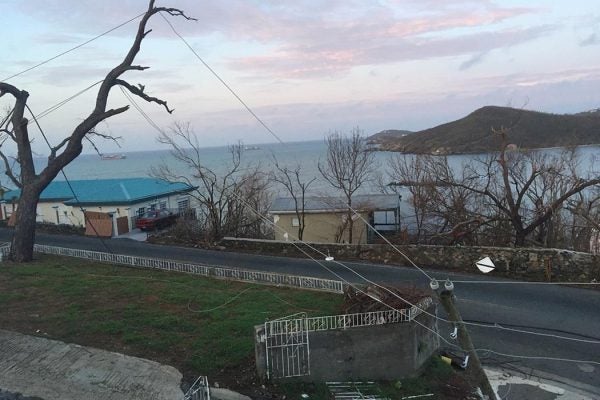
x=53 y=370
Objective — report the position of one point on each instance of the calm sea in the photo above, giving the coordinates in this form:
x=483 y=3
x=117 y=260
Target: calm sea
x=307 y=154
x=139 y=164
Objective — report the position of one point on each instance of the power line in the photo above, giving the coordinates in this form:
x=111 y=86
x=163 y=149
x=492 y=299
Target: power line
x=144 y=114
x=72 y=48
x=536 y=327
x=507 y=282
x=260 y=121
x=495 y=326
x=139 y=109
x=355 y=212
x=424 y=311
x=58 y=105
x=538 y=357
x=65 y=101
x=261 y=216
x=69 y=183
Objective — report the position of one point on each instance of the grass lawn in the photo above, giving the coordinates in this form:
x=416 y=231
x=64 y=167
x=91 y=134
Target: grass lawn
x=199 y=325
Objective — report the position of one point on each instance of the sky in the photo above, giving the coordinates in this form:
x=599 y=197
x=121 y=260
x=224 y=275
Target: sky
x=305 y=67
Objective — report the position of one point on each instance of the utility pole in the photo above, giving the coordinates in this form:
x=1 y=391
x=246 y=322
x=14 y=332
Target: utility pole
x=474 y=368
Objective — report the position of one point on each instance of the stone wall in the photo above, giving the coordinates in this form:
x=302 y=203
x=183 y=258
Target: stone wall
x=537 y=264
x=379 y=352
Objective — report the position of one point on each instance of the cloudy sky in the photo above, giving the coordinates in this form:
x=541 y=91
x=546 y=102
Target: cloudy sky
x=306 y=67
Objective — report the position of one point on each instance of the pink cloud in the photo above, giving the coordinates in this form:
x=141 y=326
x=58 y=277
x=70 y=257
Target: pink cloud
x=309 y=38
x=290 y=22
x=302 y=61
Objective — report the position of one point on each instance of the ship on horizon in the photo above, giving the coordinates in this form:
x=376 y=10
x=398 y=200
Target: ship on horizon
x=112 y=156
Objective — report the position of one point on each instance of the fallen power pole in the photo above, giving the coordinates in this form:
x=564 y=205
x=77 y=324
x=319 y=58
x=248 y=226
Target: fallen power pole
x=474 y=368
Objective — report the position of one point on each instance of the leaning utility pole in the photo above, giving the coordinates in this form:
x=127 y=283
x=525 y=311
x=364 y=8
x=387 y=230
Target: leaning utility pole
x=474 y=368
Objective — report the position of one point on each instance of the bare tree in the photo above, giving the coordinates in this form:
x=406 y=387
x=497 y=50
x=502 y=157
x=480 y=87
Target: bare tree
x=292 y=181
x=224 y=196
x=584 y=209
x=347 y=167
x=526 y=188
x=411 y=172
x=441 y=211
x=15 y=129
x=251 y=204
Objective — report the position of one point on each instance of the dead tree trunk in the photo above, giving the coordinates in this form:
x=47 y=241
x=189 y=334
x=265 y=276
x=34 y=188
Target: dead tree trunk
x=14 y=128
x=24 y=235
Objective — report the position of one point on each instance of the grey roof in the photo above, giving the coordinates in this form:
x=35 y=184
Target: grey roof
x=329 y=204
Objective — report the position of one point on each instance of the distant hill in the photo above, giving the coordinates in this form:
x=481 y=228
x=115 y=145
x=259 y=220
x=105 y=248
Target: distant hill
x=473 y=133
x=384 y=136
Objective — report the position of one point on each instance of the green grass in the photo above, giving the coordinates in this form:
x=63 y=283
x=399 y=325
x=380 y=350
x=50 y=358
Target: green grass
x=173 y=318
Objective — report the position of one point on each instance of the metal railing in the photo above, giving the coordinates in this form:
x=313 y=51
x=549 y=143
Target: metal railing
x=344 y=321
x=4 y=251
x=227 y=273
x=199 y=390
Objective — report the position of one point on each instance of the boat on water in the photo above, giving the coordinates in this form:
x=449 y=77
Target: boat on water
x=251 y=148
x=112 y=156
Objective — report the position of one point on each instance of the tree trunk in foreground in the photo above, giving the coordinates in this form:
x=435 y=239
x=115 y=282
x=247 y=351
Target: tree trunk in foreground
x=24 y=237
x=14 y=127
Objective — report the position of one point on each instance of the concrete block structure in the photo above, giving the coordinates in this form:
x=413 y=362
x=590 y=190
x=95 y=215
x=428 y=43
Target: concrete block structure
x=383 y=345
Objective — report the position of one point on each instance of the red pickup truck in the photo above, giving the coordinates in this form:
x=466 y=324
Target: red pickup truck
x=155 y=219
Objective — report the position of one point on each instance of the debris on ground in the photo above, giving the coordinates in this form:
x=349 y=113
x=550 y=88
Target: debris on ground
x=381 y=298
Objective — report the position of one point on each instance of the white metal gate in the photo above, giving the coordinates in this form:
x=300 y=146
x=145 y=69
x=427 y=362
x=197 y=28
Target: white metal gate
x=287 y=348
x=199 y=390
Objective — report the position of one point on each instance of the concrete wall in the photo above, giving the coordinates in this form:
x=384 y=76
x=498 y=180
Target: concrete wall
x=321 y=227
x=518 y=263
x=48 y=212
x=381 y=352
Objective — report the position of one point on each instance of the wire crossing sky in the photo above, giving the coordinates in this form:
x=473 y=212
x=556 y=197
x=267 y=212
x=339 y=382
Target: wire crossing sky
x=308 y=67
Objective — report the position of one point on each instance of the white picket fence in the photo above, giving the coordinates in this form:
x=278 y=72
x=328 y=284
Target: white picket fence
x=219 y=272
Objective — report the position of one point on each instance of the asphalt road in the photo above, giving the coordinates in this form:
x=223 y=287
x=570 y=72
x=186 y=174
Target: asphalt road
x=549 y=309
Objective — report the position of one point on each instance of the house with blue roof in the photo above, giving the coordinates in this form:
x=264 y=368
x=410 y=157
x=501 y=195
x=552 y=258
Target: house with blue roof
x=64 y=203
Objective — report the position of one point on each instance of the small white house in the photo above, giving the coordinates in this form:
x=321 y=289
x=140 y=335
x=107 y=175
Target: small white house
x=61 y=203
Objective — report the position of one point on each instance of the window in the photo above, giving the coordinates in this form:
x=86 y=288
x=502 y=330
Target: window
x=152 y=206
x=183 y=204
x=295 y=222
x=384 y=217
x=163 y=205
x=141 y=211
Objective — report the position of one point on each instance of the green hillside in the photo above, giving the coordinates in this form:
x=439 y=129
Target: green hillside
x=528 y=129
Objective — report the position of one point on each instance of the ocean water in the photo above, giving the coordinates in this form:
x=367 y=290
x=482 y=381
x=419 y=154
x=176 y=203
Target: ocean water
x=307 y=154
x=139 y=164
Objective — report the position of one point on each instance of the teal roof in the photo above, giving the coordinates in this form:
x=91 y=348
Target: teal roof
x=107 y=191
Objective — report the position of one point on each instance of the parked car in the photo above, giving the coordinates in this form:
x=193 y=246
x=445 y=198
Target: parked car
x=155 y=219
